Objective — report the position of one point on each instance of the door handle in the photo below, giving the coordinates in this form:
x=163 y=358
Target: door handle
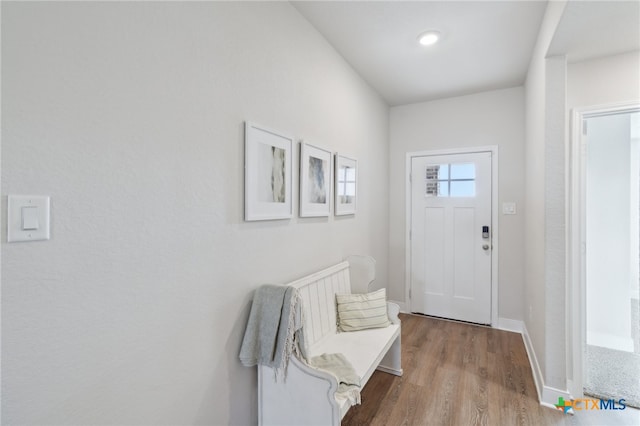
x=485 y=247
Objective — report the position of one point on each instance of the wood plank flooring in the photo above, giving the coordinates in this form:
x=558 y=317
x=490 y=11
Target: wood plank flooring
x=455 y=374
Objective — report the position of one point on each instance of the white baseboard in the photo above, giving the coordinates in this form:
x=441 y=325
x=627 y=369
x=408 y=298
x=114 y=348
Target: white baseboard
x=547 y=395
x=610 y=341
x=535 y=367
x=393 y=371
x=572 y=391
x=508 y=324
x=550 y=396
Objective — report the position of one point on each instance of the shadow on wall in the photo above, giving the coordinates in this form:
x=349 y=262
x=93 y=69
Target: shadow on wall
x=241 y=383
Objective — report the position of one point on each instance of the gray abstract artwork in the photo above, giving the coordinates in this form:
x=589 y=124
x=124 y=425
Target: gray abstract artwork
x=271 y=178
x=317 y=184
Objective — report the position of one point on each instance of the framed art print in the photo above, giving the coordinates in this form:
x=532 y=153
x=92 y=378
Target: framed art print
x=315 y=181
x=267 y=174
x=346 y=185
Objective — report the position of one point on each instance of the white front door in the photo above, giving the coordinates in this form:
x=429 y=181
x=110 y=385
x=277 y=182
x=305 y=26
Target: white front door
x=451 y=236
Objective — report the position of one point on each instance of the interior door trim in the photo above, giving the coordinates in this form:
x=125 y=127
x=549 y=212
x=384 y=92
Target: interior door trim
x=493 y=149
x=575 y=237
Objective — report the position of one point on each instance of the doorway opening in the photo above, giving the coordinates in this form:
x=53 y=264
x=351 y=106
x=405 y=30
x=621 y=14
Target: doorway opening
x=607 y=210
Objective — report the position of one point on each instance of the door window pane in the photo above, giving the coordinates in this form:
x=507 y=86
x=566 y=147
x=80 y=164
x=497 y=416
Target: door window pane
x=437 y=172
x=451 y=180
x=463 y=171
x=437 y=189
x=443 y=189
x=463 y=188
x=432 y=189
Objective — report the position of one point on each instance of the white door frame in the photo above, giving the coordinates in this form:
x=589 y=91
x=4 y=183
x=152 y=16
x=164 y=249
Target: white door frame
x=493 y=149
x=576 y=238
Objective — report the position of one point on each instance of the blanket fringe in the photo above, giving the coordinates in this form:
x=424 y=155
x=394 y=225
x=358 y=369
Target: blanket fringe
x=291 y=344
x=351 y=394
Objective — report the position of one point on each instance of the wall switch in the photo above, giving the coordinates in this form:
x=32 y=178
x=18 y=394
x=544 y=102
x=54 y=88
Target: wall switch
x=30 y=220
x=509 y=207
x=27 y=218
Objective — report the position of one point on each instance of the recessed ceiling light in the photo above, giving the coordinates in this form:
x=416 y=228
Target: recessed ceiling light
x=428 y=38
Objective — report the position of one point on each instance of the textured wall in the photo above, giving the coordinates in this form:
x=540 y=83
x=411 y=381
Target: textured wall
x=130 y=116
x=536 y=310
x=555 y=222
x=489 y=118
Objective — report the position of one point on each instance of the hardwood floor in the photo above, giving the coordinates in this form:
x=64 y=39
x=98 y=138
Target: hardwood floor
x=455 y=374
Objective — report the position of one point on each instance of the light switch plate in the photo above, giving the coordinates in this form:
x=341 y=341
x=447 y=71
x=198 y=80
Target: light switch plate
x=27 y=211
x=509 y=208
x=30 y=219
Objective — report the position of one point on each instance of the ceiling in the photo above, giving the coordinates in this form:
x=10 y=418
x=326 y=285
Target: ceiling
x=485 y=45
x=591 y=29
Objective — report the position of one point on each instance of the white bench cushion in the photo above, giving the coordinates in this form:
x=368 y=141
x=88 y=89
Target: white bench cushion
x=364 y=349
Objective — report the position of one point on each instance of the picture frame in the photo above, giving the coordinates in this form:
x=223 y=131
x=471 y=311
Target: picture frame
x=315 y=181
x=346 y=185
x=268 y=166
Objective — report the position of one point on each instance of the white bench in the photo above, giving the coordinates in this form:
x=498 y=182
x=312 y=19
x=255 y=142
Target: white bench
x=307 y=396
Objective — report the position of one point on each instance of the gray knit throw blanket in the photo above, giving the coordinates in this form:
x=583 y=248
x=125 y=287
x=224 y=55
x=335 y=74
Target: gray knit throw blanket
x=269 y=336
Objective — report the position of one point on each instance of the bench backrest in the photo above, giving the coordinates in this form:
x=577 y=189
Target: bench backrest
x=318 y=292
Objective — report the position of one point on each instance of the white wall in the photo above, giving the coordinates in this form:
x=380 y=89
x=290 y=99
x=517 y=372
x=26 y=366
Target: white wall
x=537 y=313
x=555 y=138
x=130 y=116
x=604 y=80
x=489 y=118
x=534 y=206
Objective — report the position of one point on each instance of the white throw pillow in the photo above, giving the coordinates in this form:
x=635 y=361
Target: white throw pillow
x=362 y=311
